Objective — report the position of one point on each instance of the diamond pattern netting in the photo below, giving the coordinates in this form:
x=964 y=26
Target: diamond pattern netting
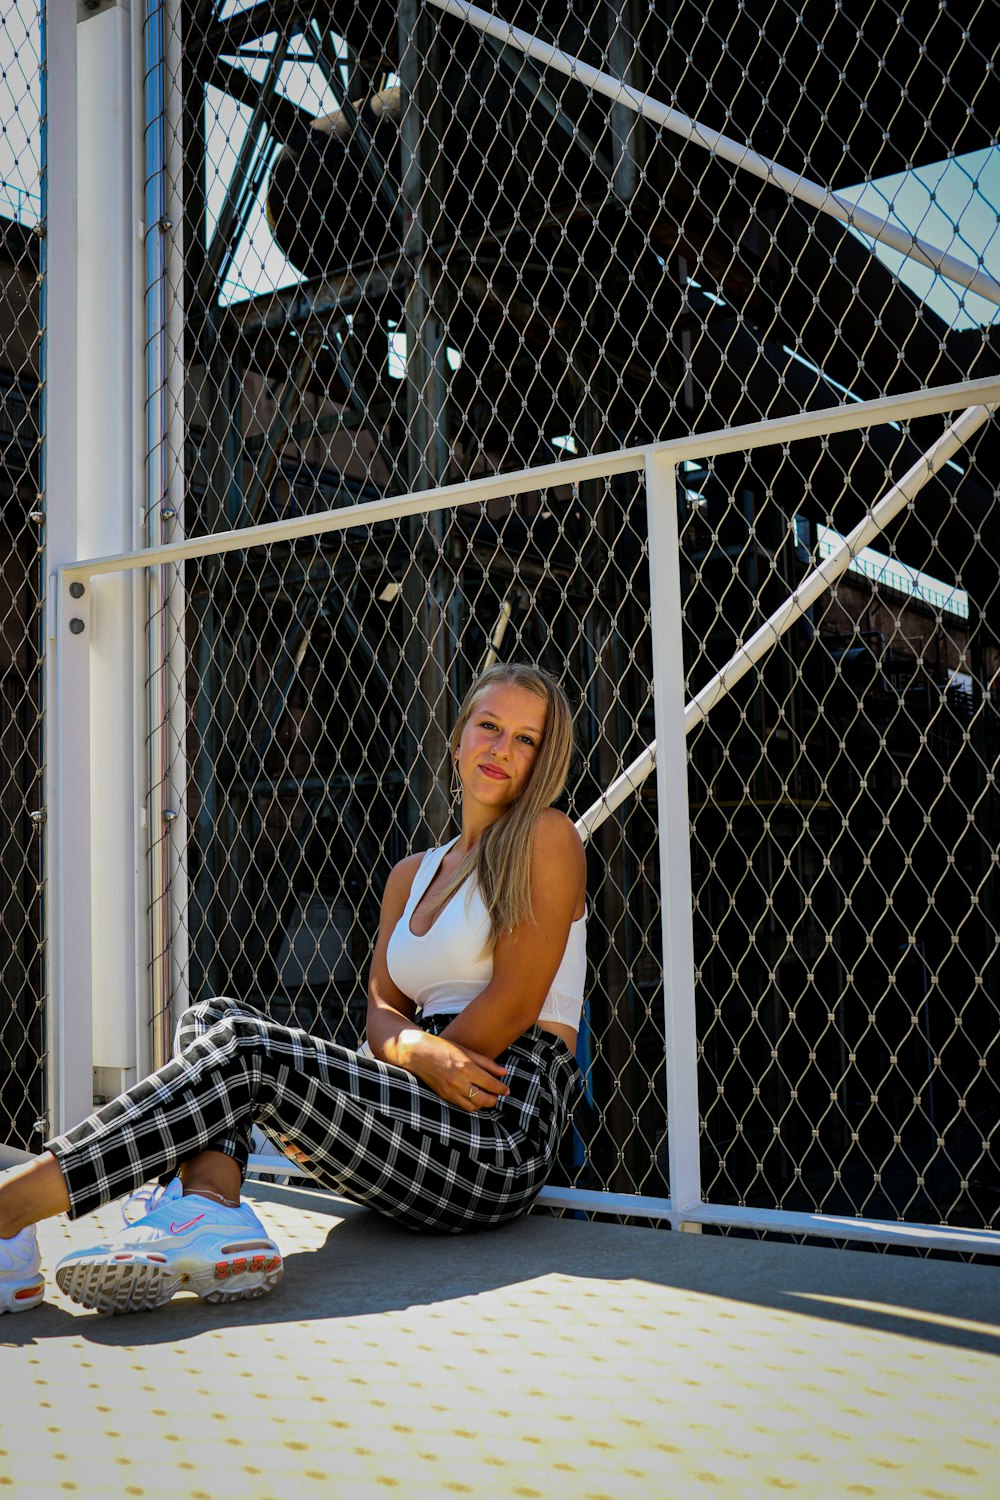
x=22 y=983
x=408 y=255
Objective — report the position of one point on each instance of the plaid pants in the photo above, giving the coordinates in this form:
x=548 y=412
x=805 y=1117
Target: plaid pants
x=372 y=1132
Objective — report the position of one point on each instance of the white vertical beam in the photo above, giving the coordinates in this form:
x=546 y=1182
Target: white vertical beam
x=674 y=837
x=66 y=693
x=108 y=522
x=161 y=451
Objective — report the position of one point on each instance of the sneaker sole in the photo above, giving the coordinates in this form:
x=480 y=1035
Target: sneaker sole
x=113 y=1284
x=15 y=1299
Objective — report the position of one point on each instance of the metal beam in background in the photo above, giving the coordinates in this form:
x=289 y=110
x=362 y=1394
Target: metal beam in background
x=526 y=76
x=278 y=432
x=626 y=130
x=737 y=154
x=283 y=117
x=285 y=669
x=427 y=654
x=365 y=154
x=253 y=23
x=421 y=192
x=301 y=432
x=361 y=406
x=246 y=177
x=297 y=304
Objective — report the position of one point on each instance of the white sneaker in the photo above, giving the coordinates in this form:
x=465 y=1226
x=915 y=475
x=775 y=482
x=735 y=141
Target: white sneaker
x=21 y=1282
x=181 y=1243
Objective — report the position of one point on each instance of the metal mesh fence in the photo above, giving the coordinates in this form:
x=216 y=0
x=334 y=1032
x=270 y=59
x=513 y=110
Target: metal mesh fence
x=316 y=761
x=22 y=1066
x=407 y=254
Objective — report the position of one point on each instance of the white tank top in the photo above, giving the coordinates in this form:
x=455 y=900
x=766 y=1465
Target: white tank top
x=450 y=965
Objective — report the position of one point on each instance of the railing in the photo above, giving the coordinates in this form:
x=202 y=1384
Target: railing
x=78 y=633
x=20 y=203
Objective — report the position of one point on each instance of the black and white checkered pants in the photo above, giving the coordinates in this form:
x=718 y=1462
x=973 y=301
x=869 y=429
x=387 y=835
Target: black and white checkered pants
x=372 y=1132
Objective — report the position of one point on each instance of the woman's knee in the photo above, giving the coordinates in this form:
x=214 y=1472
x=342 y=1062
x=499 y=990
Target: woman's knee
x=205 y=1014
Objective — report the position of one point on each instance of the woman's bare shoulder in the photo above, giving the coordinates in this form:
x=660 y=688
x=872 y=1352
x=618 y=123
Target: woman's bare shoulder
x=554 y=826
x=401 y=877
x=558 y=842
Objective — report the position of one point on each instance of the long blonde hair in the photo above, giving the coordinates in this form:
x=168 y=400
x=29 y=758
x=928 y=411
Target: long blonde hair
x=501 y=860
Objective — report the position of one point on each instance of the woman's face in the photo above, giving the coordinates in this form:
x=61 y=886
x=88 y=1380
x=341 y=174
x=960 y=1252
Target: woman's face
x=500 y=744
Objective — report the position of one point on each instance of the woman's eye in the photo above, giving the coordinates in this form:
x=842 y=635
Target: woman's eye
x=527 y=740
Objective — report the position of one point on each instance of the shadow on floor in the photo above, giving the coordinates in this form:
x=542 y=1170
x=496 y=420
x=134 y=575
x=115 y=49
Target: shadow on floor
x=356 y=1264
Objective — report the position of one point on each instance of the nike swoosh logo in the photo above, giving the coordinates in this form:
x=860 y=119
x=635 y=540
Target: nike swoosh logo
x=180 y=1228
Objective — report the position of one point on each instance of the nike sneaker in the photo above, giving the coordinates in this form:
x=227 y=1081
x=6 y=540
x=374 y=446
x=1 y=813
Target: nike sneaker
x=173 y=1242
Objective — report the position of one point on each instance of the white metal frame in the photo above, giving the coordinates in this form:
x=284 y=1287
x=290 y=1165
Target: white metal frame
x=107 y=516
x=685 y=1209
x=95 y=959
x=162 y=480
x=67 y=695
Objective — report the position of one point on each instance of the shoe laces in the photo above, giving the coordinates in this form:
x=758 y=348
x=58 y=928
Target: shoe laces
x=142 y=1202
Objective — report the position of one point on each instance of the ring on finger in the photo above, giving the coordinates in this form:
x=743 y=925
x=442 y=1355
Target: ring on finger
x=473 y=1091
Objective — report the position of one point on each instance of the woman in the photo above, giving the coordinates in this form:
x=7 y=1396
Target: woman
x=448 y=1124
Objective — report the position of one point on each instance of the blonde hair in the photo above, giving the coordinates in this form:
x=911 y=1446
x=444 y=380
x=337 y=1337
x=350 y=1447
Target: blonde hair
x=501 y=860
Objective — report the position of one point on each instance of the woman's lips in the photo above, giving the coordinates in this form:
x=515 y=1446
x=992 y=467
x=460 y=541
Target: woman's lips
x=495 y=773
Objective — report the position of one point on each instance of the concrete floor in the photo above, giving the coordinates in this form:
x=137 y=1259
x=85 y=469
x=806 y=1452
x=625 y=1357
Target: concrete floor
x=547 y=1359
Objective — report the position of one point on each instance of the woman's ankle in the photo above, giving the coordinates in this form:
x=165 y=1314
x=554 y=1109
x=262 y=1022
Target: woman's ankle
x=213 y=1175
x=204 y=1192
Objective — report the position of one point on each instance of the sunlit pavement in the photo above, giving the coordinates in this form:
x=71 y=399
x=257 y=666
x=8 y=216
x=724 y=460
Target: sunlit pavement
x=549 y=1358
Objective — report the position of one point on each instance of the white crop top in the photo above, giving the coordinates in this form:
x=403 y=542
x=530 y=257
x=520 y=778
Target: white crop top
x=450 y=965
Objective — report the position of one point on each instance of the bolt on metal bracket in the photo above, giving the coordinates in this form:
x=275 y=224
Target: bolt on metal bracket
x=73 y=603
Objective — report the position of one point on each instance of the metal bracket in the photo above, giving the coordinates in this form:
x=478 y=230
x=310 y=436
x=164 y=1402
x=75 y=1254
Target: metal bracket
x=87 y=9
x=74 y=608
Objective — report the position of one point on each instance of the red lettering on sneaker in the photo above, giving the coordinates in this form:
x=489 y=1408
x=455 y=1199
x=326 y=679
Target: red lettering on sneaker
x=180 y=1228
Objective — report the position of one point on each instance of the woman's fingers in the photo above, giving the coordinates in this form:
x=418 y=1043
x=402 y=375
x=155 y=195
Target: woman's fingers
x=294 y=1153
x=487 y=1064
x=457 y=1075
x=484 y=1093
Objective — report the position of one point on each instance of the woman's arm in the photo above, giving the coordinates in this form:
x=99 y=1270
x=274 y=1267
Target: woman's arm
x=390 y=1012
x=452 y=1071
x=525 y=961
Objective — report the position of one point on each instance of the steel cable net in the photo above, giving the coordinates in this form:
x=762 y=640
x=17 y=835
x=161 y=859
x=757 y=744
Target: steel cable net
x=411 y=255
x=22 y=1067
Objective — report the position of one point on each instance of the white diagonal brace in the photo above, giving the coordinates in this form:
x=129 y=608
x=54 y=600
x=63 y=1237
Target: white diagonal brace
x=793 y=183
x=794 y=607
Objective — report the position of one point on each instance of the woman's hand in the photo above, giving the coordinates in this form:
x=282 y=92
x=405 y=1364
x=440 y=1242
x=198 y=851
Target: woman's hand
x=457 y=1075
x=293 y=1152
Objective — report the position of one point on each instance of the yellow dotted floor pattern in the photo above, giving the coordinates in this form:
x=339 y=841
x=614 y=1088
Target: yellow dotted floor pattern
x=547 y=1359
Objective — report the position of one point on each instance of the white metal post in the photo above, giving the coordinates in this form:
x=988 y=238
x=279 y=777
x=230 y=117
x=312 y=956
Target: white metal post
x=161 y=451
x=66 y=730
x=108 y=520
x=674 y=837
